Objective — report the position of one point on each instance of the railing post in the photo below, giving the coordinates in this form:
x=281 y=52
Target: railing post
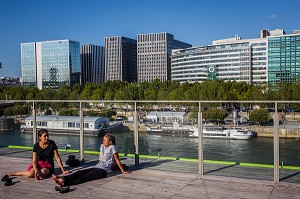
x=81 y=133
x=200 y=141
x=276 y=144
x=136 y=137
x=33 y=123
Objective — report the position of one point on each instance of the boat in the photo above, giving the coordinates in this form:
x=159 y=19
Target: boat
x=93 y=126
x=175 y=130
x=221 y=132
x=208 y=132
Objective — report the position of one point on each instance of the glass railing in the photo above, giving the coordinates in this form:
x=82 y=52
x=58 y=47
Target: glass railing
x=238 y=136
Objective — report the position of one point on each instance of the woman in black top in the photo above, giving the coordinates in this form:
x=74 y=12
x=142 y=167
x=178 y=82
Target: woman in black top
x=42 y=158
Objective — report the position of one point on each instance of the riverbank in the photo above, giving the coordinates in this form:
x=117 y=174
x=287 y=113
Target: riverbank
x=262 y=131
x=283 y=133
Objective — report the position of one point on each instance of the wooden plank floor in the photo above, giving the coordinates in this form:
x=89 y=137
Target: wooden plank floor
x=154 y=179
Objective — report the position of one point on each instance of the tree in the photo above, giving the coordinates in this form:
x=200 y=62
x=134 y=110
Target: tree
x=215 y=114
x=259 y=116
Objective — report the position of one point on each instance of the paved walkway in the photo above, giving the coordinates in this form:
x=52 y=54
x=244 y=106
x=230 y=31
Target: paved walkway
x=156 y=179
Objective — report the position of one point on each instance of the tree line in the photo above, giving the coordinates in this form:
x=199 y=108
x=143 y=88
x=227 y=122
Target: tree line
x=157 y=90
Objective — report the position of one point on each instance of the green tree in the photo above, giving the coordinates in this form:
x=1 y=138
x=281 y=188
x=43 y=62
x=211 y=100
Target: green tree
x=215 y=114
x=259 y=116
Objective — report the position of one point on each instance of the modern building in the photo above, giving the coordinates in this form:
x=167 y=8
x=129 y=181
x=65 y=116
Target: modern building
x=153 y=55
x=9 y=81
x=92 y=64
x=233 y=59
x=120 y=59
x=284 y=58
x=50 y=64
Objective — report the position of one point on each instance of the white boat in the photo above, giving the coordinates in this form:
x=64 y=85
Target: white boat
x=208 y=132
x=70 y=125
x=175 y=130
x=221 y=132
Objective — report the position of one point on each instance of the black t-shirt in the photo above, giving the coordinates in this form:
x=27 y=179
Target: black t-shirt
x=46 y=154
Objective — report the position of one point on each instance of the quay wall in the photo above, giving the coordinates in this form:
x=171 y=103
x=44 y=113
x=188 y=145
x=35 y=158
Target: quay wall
x=283 y=133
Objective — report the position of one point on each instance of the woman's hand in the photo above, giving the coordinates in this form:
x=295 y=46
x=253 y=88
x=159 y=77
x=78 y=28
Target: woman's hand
x=66 y=172
x=125 y=172
x=37 y=175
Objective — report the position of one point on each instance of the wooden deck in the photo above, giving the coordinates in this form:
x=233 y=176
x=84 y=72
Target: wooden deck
x=155 y=179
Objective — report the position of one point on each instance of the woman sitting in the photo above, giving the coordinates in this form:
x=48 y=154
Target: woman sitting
x=42 y=159
x=108 y=153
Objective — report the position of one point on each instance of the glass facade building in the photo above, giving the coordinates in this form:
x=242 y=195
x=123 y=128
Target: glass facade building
x=28 y=63
x=50 y=64
x=232 y=59
x=120 y=59
x=283 y=58
x=92 y=64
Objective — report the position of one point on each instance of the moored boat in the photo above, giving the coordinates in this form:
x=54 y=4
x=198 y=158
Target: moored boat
x=70 y=125
x=221 y=132
x=208 y=132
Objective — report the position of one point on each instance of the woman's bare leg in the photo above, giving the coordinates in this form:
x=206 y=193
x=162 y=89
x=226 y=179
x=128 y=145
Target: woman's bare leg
x=28 y=174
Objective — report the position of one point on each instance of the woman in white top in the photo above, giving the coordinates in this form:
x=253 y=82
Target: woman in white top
x=108 y=154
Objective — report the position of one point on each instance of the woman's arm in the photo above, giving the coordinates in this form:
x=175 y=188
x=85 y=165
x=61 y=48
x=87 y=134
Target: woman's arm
x=58 y=160
x=34 y=165
x=116 y=156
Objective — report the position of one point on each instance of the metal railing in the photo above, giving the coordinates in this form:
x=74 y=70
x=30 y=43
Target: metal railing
x=136 y=132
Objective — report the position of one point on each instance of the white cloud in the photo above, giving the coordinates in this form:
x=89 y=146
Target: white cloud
x=272 y=16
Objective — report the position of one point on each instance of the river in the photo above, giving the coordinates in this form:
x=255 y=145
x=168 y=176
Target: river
x=256 y=150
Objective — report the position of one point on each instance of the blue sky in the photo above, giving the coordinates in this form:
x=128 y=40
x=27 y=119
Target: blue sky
x=194 y=21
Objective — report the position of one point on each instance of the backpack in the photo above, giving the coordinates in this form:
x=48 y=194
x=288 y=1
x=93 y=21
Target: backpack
x=72 y=162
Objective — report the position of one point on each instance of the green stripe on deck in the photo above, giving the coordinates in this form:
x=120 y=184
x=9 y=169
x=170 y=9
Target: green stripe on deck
x=171 y=158
x=220 y=162
x=256 y=165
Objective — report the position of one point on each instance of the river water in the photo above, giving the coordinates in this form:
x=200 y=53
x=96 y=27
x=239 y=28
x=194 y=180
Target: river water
x=256 y=150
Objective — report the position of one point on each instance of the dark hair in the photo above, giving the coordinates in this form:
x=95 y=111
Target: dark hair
x=111 y=138
x=41 y=131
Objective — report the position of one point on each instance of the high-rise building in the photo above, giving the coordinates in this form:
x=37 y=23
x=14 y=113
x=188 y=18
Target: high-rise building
x=284 y=58
x=92 y=64
x=153 y=55
x=120 y=59
x=233 y=59
x=50 y=64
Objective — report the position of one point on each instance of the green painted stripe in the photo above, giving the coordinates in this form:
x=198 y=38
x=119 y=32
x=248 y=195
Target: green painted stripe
x=69 y=150
x=291 y=168
x=256 y=165
x=219 y=162
x=167 y=158
x=20 y=147
x=189 y=159
x=170 y=158
x=148 y=156
x=126 y=155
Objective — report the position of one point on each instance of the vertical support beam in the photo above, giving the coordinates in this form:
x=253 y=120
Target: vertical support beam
x=276 y=145
x=33 y=123
x=200 y=141
x=81 y=133
x=136 y=137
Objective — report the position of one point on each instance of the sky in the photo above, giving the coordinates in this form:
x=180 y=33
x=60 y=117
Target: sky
x=197 y=22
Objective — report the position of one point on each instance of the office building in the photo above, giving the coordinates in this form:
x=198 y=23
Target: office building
x=284 y=58
x=233 y=59
x=92 y=64
x=120 y=59
x=50 y=64
x=153 y=55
